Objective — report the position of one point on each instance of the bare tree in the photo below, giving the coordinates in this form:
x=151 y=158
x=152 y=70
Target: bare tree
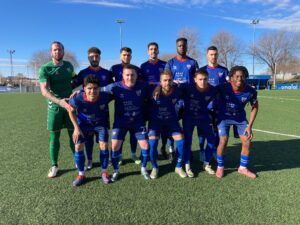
x=166 y=57
x=193 y=41
x=276 y=48
x=43 y=56
x=229 y=48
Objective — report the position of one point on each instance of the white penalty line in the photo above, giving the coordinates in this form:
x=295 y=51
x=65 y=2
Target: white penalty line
x=271 y=132
x=288 y=99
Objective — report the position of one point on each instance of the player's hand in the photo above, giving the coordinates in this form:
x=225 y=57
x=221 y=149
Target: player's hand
x=63 y=103
x=76 y=134
x=248 y=133
x=74 y=93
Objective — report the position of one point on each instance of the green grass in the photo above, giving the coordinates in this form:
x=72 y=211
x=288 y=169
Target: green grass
x=27 y=196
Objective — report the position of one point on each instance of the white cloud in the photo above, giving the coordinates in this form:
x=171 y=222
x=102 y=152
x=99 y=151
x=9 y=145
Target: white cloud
x=102 y=3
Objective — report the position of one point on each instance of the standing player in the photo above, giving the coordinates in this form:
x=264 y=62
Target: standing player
x=55 y=82
x=217 y=75
x=129 y=95
x=163 y=118
x=151 y=73
x=105 y=78
x=90 y=114
x=117 y=70
x=182 y=68
x=233 y=98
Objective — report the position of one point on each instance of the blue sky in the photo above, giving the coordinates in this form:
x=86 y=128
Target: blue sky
x=28 y=26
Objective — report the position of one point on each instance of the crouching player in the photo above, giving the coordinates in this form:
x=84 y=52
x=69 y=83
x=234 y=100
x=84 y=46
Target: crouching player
x=90 y=114
x=233 y=98
x=197 y=96
x=163 y=118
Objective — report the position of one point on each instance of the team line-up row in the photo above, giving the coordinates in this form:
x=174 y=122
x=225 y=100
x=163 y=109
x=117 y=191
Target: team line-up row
x=210 y=99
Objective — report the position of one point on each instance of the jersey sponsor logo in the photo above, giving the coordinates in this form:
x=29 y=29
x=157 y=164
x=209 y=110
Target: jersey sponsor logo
x=189 y=66
x=138 y=92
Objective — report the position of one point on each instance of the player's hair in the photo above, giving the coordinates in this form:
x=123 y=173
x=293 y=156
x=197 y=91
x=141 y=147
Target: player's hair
x=126 y=49
x=153 y=43
x=129 y=66
x=200 y=71
x=214 y=48
x=58 y=43
x=94 y=50
x=166 y=72
x=181 y=39
x=91 y=79
x=239 y=68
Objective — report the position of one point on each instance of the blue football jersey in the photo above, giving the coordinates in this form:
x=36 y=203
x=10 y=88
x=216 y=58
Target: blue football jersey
x=182 y=70
x=151 y=71
x=129 y=102
x=91 y=113
x=104 y=76
x=117 y=71
x=217 y=75
x=232 y=103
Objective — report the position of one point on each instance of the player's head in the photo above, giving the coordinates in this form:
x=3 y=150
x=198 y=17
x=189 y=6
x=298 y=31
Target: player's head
x=201 y=78
x=91 y=86
x=212 y=55
x=129 y=75
x=238 y=76
x=57 y=51
x=181 y=46
x=94 y=56
x=153 y=50
x=166 y=81
x=125 y=55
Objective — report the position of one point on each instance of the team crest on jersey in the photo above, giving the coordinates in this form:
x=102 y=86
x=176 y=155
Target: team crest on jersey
x=103 y=77
x=174 y=100
x=243 y=99
x=138 y=92
x=121 y=95
x=226 y=97
x=69 y=69
x=84 y=110
x=192 y=95
x=220 y=74
x=189 y=66
x=174 y=67
x=147 y=71
x=102 y=107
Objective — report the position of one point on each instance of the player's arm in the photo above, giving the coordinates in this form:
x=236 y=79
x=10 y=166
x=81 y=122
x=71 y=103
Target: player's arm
x=77 y=131
x=47 y=94
x=252 y=117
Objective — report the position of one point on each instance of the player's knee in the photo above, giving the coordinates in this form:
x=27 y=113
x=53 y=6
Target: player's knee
x=79 y=147
x=103 y=145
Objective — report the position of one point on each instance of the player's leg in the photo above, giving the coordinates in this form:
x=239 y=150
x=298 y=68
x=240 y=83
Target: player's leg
x=153 y=135
x=102 y=136
x=223 y=127
x=133 y=145
x=163 y=151
x=79 y=159
x=89 y=145
x=142 y=138
x=201 y=141
x=188 y=129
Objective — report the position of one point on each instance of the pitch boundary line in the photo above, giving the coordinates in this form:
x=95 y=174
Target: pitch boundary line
x=271 y=132
x=288 y=99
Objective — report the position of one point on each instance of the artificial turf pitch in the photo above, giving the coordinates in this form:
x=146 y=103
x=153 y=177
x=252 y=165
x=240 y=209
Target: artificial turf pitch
x=27 y=196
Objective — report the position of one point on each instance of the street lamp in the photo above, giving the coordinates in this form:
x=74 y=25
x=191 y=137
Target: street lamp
x=254 y=22
x=120 y=22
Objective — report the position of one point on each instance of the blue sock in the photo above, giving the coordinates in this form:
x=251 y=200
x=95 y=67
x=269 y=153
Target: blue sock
x=115 y=155
x=104 y=159
x=89 y=144
x=201 y=141
x=153 y=152
x=133 y=144
x=220 y=160
x=179 y=146
x=145 y=155
x=244 y=161
x=79 y=160
x=209 y=152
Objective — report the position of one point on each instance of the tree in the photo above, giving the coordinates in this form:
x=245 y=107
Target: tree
x=166 y=57
x=193 y=41
x=43 y=56
x=229 y=48
x=277 y=47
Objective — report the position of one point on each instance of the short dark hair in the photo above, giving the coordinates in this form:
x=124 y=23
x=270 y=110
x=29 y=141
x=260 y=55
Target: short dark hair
x=126 y=49
x=94 y=50
x=153 y=43
x=129 y=66
x=239 y=68
x=166 y=72
x=200 y=71
x=214 y=48
x=181 y=39
x=58 y=43
x=91 y=79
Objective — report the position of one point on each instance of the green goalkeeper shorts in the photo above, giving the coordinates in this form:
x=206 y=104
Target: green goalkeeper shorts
x=58 y=118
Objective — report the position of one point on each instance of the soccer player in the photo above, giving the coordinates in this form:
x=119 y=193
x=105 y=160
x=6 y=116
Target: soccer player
x=151 y=70
x=182 y=68
x=197 y=96
x=105 y=78
x=55 y=83
x=217 y=75
x=233 y=98
x=117 y=70
x=129 y=95
x=90 y=113
x=163 y=118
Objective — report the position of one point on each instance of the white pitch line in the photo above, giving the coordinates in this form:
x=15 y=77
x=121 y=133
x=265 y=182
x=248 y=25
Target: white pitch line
x=270 y=132
x=289 y=99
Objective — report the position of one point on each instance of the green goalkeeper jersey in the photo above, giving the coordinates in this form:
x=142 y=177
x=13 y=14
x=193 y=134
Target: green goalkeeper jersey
x=58 y=78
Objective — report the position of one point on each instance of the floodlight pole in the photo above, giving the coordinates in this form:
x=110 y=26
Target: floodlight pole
x=11 y=52
x=254 y=22
x=120 y=22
